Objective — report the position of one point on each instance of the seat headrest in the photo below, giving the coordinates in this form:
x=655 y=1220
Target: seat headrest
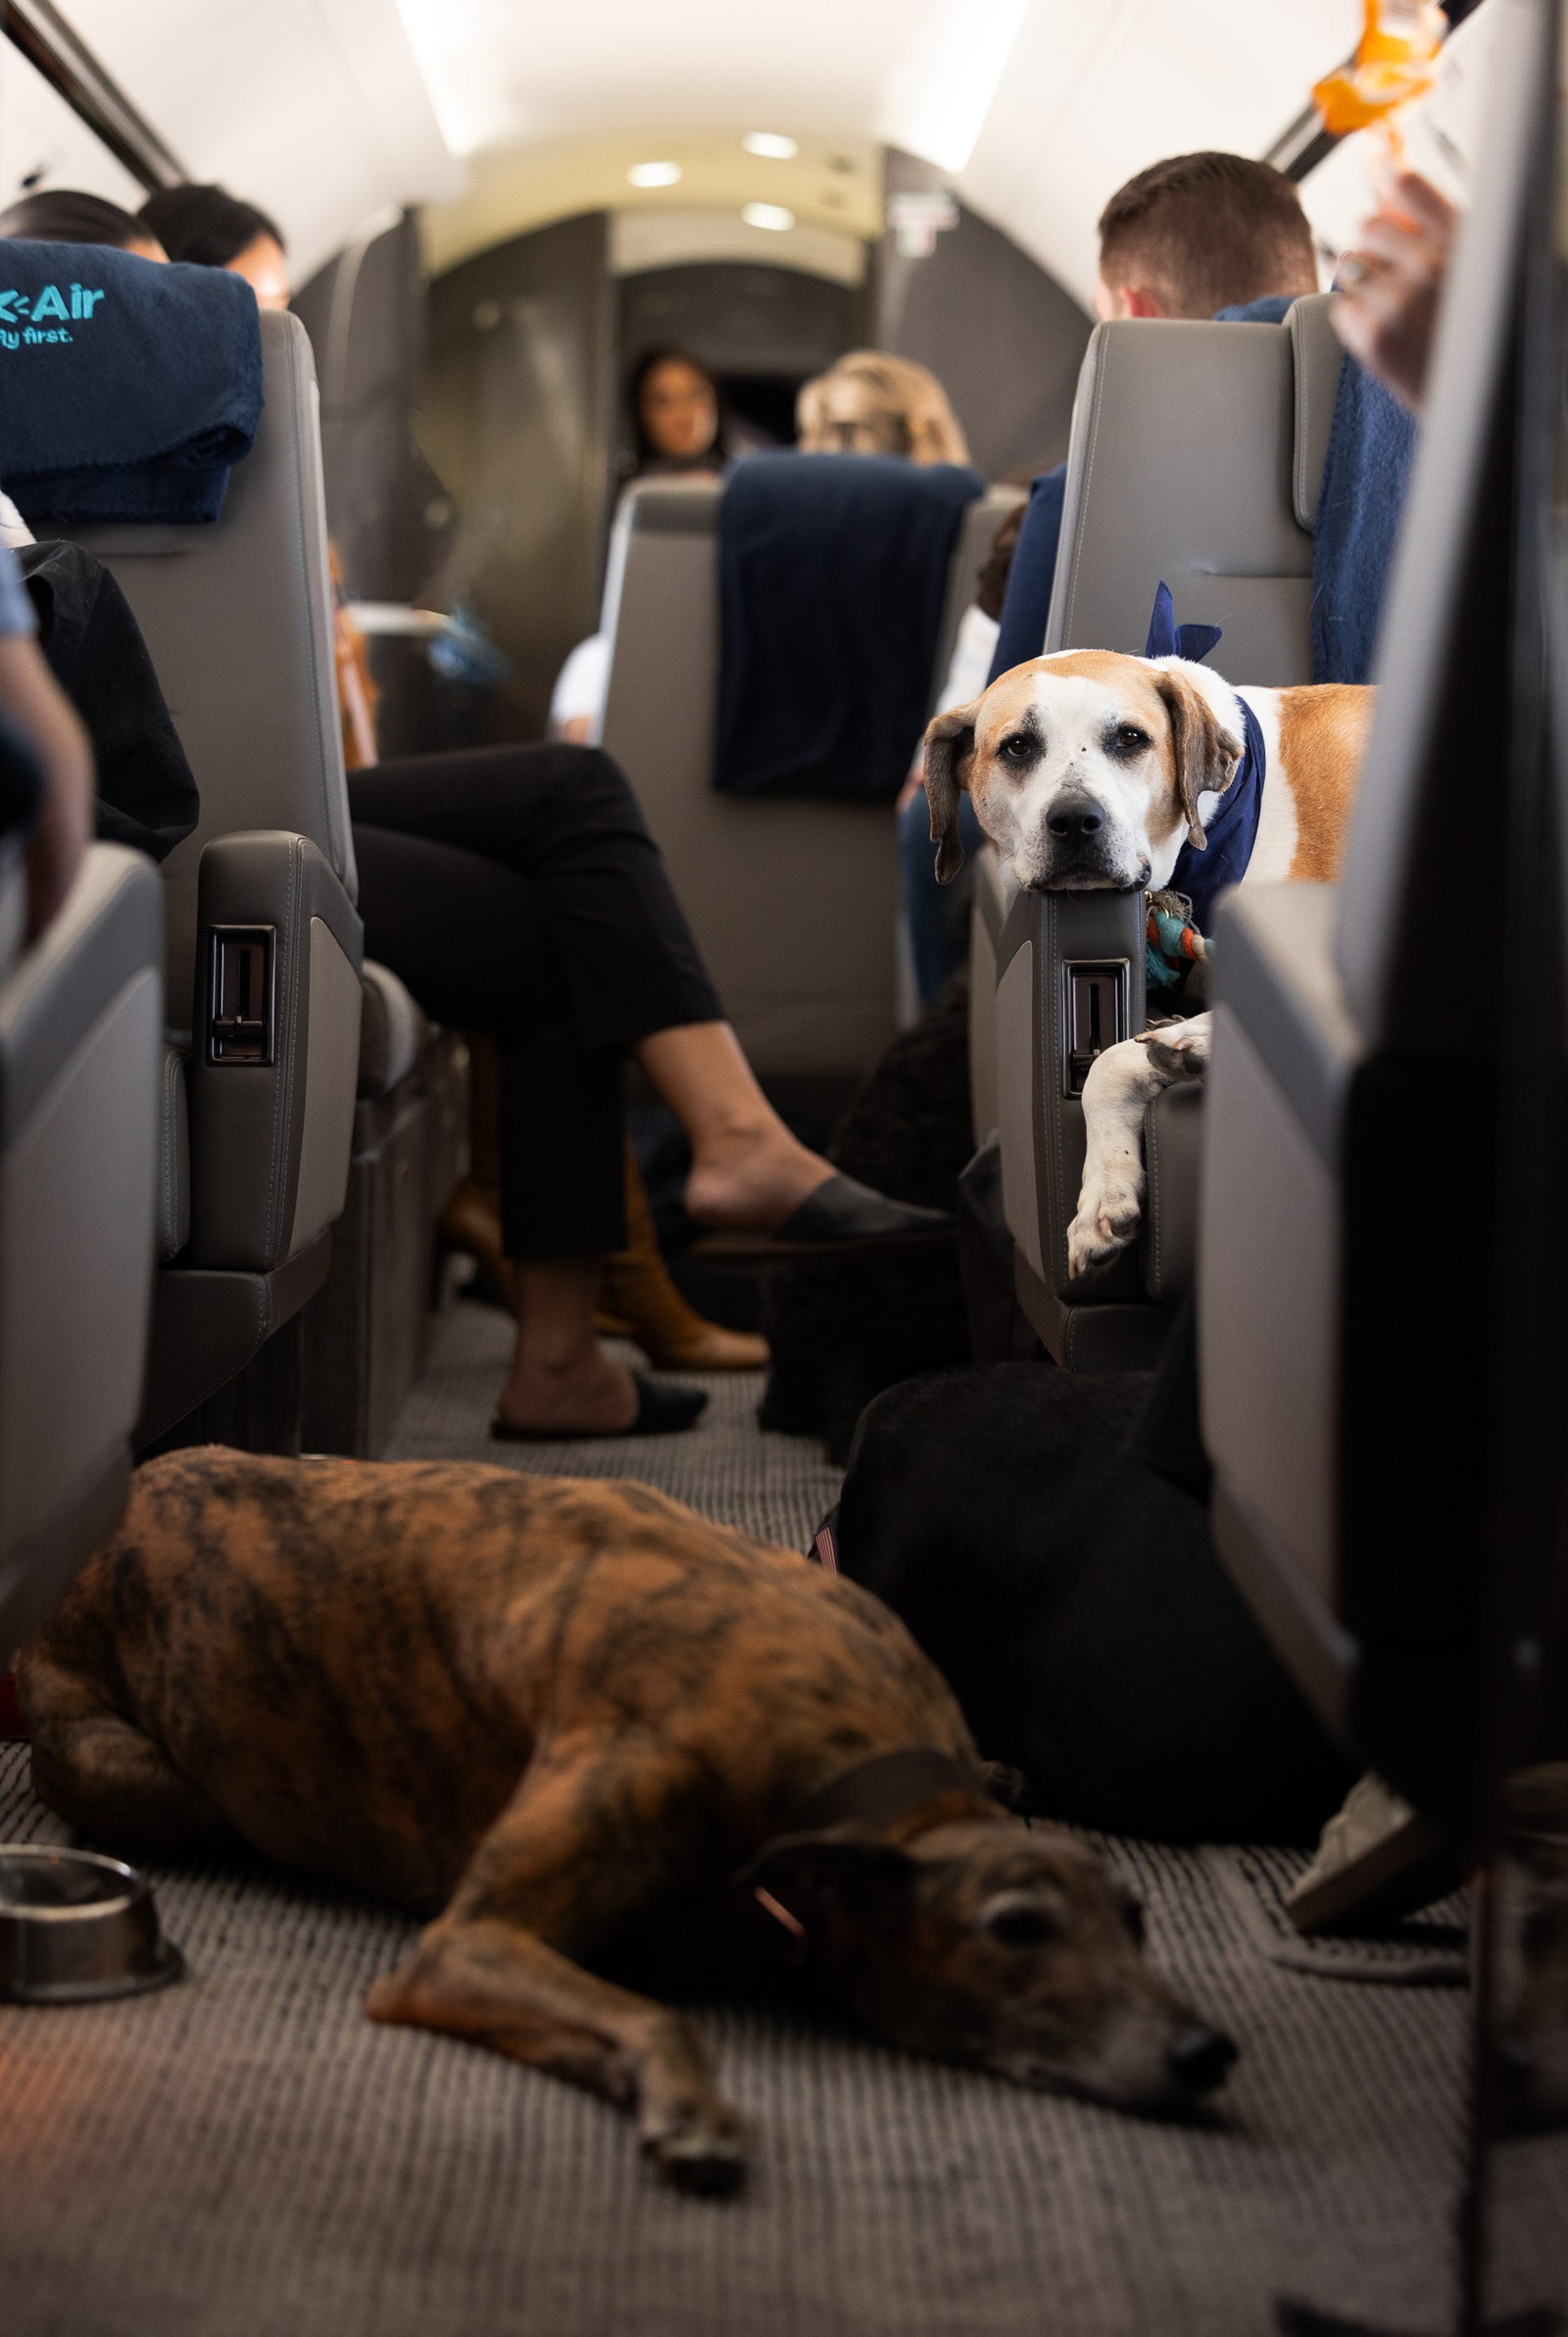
x=1316 y=354
x=128 y=389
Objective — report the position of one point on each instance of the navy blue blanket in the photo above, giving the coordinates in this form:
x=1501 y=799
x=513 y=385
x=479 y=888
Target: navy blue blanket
x=833 y=574
x=128 y=390
x=1372 y=444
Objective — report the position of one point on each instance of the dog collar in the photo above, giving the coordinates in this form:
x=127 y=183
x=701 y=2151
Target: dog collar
x=1232 y=833
x=1228 y=840
x=876 y=1792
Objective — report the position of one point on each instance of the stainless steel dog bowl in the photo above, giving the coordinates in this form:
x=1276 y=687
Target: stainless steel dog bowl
x=75 y=1926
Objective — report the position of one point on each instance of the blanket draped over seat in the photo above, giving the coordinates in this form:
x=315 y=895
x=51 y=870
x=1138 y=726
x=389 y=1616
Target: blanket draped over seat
x=128 y=389
x=833 y=576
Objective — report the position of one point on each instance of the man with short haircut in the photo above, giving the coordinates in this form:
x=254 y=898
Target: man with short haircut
x=1201 y=232
x=1198 y=235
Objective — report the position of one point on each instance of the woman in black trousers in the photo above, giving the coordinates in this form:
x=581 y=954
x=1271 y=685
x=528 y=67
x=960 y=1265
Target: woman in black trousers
x=517 y=890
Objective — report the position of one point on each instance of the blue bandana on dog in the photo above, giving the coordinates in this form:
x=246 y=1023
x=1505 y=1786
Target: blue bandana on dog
x=1232 y=830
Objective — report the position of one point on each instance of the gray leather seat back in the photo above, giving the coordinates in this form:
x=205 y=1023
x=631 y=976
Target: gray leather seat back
x=1195 y=456
x=81 y=1100
x=238 y=618
x=1334 y=1064
x=971 y=549
x=793 y=904
x=263 y=946
x=1383 y=901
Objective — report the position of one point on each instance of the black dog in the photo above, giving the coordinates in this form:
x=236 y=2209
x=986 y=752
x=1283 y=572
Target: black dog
x=1077 y=1607
x=842 y=1330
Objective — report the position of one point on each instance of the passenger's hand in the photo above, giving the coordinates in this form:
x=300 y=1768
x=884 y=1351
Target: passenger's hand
x=912 y=787
x=35 y=703
x=1388 y=288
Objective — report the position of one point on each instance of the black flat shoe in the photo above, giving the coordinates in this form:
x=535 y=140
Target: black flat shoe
x=661 y=1411
x=842 y=1215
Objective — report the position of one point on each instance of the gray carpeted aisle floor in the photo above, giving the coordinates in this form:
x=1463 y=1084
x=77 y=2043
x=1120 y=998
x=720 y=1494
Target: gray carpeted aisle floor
x=778 y=1487
x=246 y=2155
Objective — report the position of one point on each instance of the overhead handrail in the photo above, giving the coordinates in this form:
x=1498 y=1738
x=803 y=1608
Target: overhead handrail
x=38 y=29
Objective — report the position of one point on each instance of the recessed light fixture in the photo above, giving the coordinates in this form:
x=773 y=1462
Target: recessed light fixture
x=768 y=215
x=772 y=144
x=653 y=174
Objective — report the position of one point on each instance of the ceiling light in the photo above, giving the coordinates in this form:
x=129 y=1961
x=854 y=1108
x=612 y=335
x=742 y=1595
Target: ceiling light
x=771 y=144
x=653 y=174
x=768 y=215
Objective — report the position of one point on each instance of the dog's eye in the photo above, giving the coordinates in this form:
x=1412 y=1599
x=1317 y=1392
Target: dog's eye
x=1021 y=1923
x=1018 y=748
x=1129 y=735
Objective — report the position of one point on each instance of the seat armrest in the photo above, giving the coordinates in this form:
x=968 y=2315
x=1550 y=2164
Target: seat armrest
x=80 y=1016
x=274 y=1060
x=1069 y=967
x=12 y=901
x=1174 y=1157
x=991 y=892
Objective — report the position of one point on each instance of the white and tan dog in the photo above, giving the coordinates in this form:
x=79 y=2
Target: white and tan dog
x=1091 y=770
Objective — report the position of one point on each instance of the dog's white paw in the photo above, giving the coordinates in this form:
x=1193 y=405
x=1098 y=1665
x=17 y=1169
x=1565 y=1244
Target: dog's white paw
x=1109 y=1212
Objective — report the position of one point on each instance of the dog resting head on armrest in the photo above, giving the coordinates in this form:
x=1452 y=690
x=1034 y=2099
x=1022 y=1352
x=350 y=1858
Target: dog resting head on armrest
x=1087 y=771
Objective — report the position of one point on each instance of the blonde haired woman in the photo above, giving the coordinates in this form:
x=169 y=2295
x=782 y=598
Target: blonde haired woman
x=870 y=402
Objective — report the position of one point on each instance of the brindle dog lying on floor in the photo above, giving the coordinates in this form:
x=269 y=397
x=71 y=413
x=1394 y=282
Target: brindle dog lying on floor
x=555 y=1714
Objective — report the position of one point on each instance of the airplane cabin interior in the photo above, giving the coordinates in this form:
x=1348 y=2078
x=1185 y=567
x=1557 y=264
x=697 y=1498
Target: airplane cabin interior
x=783 y=901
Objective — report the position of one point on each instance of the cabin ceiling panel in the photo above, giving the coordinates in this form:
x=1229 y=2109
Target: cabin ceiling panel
x=43 y=143
x=315 y=109
x=1090 y=96
x=832 y=185
x=328 y=110
x=507 y=75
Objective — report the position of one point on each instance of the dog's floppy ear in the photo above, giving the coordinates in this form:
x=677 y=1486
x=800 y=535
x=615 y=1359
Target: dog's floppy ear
x=1207 y=754
x=949 y=745
x=845 y=1870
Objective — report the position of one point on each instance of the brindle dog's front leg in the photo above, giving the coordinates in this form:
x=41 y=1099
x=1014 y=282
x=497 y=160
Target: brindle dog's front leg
x=571 y=1858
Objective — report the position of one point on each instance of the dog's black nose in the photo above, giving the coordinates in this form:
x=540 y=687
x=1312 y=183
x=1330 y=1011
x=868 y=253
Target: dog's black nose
x=1199 y=2058
x=1075 y=815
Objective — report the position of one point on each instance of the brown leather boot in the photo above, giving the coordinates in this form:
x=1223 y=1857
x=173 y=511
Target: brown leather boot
x=639 y=1301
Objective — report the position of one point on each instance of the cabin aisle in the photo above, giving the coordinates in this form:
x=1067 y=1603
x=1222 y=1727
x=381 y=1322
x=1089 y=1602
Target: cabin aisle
x=246 y=2155
x=777 y=1487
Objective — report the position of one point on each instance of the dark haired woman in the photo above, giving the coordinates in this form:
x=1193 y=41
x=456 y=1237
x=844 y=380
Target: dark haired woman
x=677 y=432
x=675 y=418
x=65 y=215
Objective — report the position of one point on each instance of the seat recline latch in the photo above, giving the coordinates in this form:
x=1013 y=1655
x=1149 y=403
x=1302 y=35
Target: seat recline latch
x=1094 y=1015
x=240 y=1024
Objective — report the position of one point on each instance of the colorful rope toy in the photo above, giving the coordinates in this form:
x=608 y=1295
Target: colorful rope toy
x=1172 y=942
